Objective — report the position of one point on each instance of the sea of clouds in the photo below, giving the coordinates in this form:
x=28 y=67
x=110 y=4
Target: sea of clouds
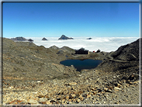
x=106 y=44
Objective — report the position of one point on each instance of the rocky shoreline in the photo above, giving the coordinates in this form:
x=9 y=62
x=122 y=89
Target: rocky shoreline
x=33 y=75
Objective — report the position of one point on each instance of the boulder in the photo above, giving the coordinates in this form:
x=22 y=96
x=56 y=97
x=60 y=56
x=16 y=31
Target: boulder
x=63 y=37
x=32 y=101
x=72 y=83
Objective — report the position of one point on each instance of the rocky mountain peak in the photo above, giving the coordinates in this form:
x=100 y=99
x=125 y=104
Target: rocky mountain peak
x=63 y=37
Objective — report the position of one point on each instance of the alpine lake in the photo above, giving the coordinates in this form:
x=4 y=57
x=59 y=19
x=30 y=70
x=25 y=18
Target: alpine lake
x=81 y=64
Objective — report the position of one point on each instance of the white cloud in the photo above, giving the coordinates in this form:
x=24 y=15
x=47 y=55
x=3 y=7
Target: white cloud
x=107 y=44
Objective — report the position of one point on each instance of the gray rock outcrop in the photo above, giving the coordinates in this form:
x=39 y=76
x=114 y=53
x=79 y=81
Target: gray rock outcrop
x=53 y=47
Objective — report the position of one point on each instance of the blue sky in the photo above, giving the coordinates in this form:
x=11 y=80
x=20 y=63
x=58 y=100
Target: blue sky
x=71 y=19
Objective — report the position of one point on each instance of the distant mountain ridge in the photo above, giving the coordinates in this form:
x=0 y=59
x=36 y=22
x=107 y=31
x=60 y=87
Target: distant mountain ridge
x=19 y=39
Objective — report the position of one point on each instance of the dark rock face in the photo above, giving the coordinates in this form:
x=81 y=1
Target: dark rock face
x=63 y=37
x=98 y=51
x=89 y=38
x=19 y=39
x=127 y=52
x=44 y=39
x=81 y=51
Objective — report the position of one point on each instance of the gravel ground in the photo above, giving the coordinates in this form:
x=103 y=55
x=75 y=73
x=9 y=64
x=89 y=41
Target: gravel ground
x=87 y=88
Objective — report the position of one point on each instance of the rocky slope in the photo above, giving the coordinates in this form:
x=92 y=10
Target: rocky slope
x=33 y=75
x=124 y=61
x=24 y=59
